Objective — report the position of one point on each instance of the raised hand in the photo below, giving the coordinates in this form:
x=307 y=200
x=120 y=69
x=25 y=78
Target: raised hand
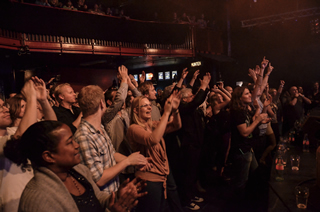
x=264 y=63
x=123 y=72
x=196 y=73
x=175 y=100
x=252 y=74
x=142 y=78
x=40 y=88
x=282 y=82
x=270 y=69
x=206 y=80
x=220 y=85
x=168 y=105
x=257 y=70
x=184 y=73
x=28 y=90
x=215 y=89
x=133 y=81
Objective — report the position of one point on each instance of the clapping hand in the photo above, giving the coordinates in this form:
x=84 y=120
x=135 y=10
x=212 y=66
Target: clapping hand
x=128 y=194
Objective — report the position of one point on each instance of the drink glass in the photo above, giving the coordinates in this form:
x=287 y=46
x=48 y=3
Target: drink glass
x=295 y=162
x=302 y=194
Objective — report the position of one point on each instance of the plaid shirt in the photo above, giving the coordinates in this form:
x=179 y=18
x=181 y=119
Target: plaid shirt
x=96 y=152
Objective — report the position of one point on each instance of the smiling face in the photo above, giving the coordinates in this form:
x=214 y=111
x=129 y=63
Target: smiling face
x=246 y=97
x=67 y=151
x=145 y=110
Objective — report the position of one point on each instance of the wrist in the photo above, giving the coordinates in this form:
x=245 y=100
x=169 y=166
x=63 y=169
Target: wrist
x=43 y=101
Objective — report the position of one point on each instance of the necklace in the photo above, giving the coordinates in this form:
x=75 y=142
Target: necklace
x=65 y=178
x=75 y=184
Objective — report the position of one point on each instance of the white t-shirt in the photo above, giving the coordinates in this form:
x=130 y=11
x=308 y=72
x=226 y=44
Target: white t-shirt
x=12 y=179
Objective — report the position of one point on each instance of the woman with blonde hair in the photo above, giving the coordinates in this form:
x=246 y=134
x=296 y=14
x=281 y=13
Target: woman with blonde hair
x=147 y=137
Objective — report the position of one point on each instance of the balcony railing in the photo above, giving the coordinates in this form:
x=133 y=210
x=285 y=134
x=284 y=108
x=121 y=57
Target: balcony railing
x=63 y=31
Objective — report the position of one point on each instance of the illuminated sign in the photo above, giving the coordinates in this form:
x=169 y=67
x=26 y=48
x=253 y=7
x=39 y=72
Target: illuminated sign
x=195 y=64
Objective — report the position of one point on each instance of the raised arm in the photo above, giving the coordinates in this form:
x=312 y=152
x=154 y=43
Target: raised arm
x=223 y=104
x=195 y=75
x=119 y=98
x=175 y=122
x=259 y=73
x=142 y=78
x=221 y=87
x=41 y=92
x=266 y=78
x=183 y=76
x=280 y=89
x=133 y=86
x=133 y=81
x=30 y=115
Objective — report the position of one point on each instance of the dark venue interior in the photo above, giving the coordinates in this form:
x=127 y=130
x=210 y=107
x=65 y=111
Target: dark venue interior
x=86 y=48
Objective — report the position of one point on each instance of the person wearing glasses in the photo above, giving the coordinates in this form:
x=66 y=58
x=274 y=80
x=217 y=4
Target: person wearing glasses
x=146 y=136
x=12 y=179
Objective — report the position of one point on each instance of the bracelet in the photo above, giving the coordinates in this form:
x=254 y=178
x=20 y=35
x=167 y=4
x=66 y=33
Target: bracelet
x=267 y=105
x=259 y=75
x=281 y=86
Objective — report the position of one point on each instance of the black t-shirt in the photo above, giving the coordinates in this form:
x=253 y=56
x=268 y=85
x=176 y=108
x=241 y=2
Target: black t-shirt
x=292 y=113
x=238 y=142
x=66 y=116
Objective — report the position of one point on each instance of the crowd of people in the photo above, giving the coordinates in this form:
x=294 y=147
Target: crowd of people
x=100 y=9
x=129 y=148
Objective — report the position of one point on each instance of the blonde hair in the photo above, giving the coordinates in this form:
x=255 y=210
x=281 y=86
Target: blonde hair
x=135 y=118
x=58 y=91
x=89 y=99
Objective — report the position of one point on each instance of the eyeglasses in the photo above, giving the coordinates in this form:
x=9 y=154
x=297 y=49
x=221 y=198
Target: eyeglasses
x=4 y=105
x=146 y=105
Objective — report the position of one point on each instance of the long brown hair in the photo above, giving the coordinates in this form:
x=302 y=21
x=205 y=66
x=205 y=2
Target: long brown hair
x=236 y=103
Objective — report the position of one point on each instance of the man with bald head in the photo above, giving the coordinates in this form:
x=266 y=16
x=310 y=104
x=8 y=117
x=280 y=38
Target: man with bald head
x=293 y=108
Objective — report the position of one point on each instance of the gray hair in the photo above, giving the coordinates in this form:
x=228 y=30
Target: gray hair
x=185 y=92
